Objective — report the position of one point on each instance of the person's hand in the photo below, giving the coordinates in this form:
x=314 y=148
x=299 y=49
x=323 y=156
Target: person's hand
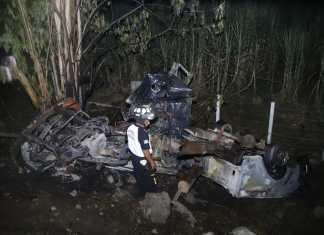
x=153 y=165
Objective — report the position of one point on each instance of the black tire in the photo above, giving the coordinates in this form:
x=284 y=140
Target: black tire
x=275 y=160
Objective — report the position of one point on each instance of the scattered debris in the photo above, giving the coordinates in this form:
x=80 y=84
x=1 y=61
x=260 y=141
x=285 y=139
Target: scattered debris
x=183 y=187
x=78 y=207
x=156 y=207
x=191 y=198
x=35 y=201
x=61 y=141
x=180 y=208
x=56 y=214
x=208 y=233
x=119 y=194
x=74 y=193
x=242 y=231
x=53 y=208
x=110 y=179
x=101 y=213
x=131 y=179
x=154 y=231
x=118 y=180
x=20 y=170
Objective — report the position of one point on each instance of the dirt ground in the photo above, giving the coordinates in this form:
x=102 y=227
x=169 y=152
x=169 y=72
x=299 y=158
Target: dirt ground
x=37 y=204
x=34 y=204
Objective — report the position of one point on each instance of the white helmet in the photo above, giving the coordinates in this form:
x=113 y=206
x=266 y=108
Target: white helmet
x=144 y=111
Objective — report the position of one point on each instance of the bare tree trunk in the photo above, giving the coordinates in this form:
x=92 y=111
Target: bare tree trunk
x=59 y=53
x=67 y=19
x=78 y=54
x=65 y=15
x=26 y=85
x=63 y=53
x=34 y=55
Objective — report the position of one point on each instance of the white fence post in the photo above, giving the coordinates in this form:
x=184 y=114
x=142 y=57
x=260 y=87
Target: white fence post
x=270 y=126
x=218 y=107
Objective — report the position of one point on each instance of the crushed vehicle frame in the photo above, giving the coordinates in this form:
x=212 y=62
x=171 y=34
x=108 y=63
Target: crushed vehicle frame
x=61 y=139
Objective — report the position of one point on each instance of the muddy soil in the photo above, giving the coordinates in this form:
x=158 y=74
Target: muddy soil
x=37 y=204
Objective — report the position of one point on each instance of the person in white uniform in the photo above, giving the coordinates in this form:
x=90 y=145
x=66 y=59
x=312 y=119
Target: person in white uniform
x=139 y=147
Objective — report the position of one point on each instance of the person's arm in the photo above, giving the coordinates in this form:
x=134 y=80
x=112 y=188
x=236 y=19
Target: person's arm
x=148 y=157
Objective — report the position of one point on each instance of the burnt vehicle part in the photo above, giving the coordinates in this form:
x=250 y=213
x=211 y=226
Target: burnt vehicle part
x=61 y=140
x=60 y=137
x=179 y=70
x=251 y=178
x=170 y=97
x=250 y=170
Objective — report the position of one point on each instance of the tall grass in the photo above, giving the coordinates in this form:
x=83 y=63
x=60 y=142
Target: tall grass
x=293 y=46
x=258 y=51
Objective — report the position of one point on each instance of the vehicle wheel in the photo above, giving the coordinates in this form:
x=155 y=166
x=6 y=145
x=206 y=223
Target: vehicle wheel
x=275 y=160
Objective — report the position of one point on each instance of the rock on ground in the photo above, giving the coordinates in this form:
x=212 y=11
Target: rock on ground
x=131 y=179
x=120 y=194
x=242 y=231
x=74 y=193
x=156 y=207
x=179 y=207
x=208 y=233
x=78 y=207
x=191 y=198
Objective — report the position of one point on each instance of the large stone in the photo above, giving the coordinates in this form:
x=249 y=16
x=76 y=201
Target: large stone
x=180 y=208
x=208 y=233
x=156 y=207
x=121 y=194
x=192 y=199
x=242 y=231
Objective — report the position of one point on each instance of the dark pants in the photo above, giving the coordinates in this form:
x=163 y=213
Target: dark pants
x=144 y=180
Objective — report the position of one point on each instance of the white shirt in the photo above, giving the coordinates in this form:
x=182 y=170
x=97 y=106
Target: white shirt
x=138 y=140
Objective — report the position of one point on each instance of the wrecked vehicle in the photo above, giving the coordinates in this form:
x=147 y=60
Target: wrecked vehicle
x=62 y=139
x=169 y=96
x=243 y=166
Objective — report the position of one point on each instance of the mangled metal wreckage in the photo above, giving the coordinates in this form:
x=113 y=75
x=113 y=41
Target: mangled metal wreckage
x=61 y=140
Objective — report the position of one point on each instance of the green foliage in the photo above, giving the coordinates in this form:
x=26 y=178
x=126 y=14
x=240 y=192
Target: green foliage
x=1 y=75
x=178 y=6
x=13 y=37
x=38 y=15
x=11 y=30
x=98 y=20
x=134 y=32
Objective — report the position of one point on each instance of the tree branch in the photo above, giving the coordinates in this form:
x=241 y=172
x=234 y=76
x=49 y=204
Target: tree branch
x=100 y=35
